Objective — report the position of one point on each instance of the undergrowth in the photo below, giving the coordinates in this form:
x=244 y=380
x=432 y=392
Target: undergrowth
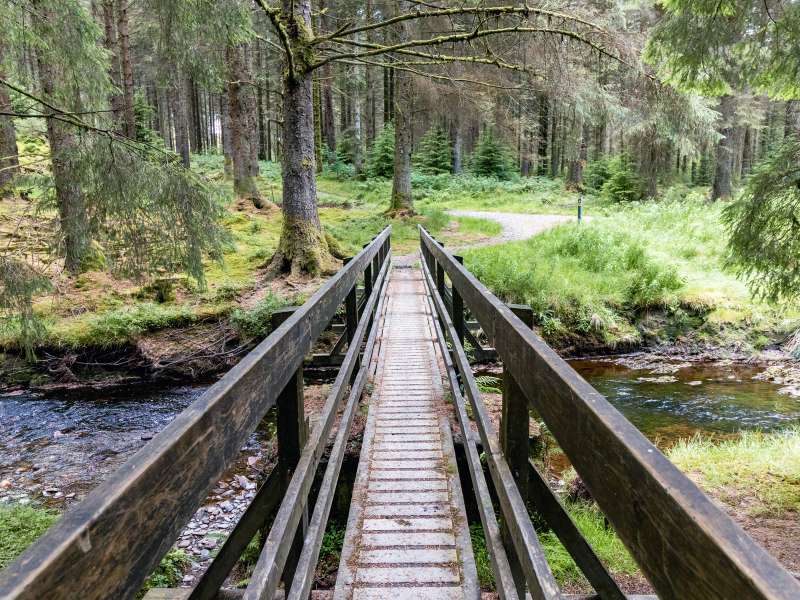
x=759 y=472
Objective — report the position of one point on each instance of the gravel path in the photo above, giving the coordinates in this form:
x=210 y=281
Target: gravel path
x=516 y=226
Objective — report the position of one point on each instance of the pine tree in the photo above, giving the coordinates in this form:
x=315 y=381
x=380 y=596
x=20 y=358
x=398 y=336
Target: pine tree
x=381 y=156
x=490 y=158
x=434 y=156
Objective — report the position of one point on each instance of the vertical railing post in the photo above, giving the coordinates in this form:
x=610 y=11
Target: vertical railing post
x=457 y=312
x=514 y=440
x=440 y=277
x=292 y=434
x=368 y=281
x=351 y=316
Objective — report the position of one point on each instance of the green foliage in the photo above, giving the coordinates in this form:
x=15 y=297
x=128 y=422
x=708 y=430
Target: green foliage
x=434 y=155
x=126 y=324
x=488 y=384
x=579 y=280
x=764 y=468
x=19 y=283
x=380 y=161
x=491 y=157
x=596 y=173
x=168 y=573
x=147 y=214
x=255 y=322
x=623 y=183
x=764 y=225
x=483 y=560
x=20 y=526
x=601 y=538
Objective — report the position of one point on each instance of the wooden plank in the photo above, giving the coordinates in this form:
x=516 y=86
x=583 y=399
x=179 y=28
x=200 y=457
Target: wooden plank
x=686 y=545
x=541 y=583
x=266 y=574
x=108 y=544
x=504 y=580
x=304 y=576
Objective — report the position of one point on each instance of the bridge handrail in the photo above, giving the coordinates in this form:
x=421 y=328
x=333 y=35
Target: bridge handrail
x=106 y=546
x=686 y=546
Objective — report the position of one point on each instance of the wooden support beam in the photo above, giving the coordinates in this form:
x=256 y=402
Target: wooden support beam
x=458 y=309
x=514 y=436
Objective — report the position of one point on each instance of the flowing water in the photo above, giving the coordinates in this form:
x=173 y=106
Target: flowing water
x=668 y=400
x=61 y=446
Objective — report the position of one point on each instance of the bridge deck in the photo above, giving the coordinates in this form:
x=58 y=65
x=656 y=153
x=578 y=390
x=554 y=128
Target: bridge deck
x=407 y=533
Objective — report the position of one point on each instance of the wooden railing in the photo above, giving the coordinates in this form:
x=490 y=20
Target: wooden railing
x=108 y=544
x=688 y=548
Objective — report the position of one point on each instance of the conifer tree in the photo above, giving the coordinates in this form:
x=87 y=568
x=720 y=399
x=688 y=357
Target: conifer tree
x=381 y=155
x=434 y=156
x=491 y=157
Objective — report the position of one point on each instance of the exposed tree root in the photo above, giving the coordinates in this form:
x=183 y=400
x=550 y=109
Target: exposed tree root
x=302 y=251
x=400 y=213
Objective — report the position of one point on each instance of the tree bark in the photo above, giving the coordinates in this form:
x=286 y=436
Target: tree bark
x=227 y=150
x=369 y=81
x=123 y=38
x=458 y=144
x=722 y=188
x=112 y=47
x=180 y=116
x=326 y=84
x=69 y=196
x=9 y=157
x=303 y=248
x=401 y=184
x=242 y=125
x=575 y=173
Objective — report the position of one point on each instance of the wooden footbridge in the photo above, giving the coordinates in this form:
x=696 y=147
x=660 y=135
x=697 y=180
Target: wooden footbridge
x=404 y=331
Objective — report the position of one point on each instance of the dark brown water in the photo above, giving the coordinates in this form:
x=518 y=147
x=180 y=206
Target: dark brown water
x=670 y=400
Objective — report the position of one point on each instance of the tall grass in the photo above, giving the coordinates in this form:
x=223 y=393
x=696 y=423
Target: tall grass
x=760 y=470
x=20 y=526
x=578 y=278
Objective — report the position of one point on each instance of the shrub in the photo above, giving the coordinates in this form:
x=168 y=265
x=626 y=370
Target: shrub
x=490 y=158
x=596 y=173
x=168 y=573
x=255 y=322
x=380 y=161
x=434 y=156
x=623 y=183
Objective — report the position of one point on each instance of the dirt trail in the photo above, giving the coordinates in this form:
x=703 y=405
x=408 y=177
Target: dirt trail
x=516 y=226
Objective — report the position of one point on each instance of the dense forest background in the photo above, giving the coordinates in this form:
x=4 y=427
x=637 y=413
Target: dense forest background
x=111 y=110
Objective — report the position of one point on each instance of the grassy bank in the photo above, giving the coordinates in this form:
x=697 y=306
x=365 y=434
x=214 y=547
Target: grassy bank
x=637 y=273
x=757 y=472
x=20 y=526
x=97 y=310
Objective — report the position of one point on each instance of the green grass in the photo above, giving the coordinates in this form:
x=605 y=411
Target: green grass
x=592 y=525
x=759 y=472
x=20 y=526
x=169 y=572
x=604 y=541
x=597 y=280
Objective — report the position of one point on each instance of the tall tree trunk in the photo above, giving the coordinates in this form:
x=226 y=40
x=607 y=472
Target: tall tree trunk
x=401 y=183
x=123 y=37
x=227 y=150
x=241 y=128
x=69 y=196
x=9 y=158
x=369 y=82
x=458 y=145
x=303 y=247
x=575 y=173
x=180 y=115
x=112 y=47
x=326 y=84
x=722 y=188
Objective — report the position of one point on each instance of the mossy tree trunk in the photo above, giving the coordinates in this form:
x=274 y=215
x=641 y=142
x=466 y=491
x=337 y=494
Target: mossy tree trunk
x=69 y=196
x=243 y=128
x=302 y=248
x=402 y=202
